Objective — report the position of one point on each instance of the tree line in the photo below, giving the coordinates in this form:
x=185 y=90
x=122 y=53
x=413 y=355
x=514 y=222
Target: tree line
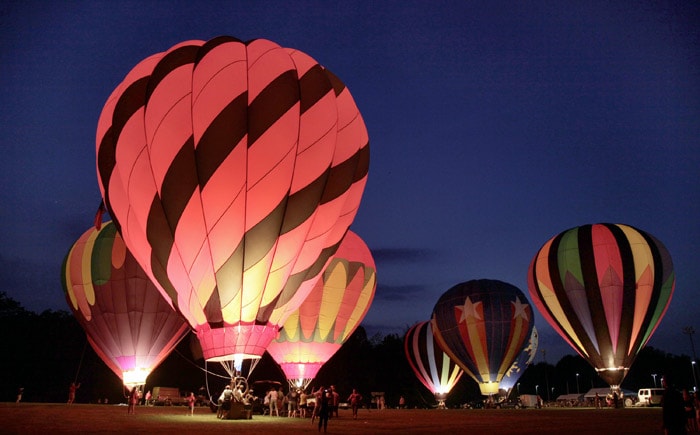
x=46 y=352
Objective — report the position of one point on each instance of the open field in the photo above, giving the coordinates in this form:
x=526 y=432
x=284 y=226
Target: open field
x=27 y=418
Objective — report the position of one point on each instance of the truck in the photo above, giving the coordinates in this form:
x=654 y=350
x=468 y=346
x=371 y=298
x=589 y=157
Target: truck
x=166 y=396
x=650 y=396
x=530 y=401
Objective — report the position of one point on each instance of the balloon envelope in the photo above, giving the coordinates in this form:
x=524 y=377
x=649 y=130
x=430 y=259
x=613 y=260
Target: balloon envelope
x=604 y=288
x=126 y=320
x=233 y=171
x=431 y=365
x=521 y=362
x=329 y=315
x=483 y=325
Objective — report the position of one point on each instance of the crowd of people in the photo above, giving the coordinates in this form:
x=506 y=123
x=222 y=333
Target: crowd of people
x=239 y=394
x=681 y=408
x=320 y=404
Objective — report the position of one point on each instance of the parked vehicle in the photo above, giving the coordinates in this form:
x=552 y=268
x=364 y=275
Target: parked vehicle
x=508 y=404
x=167 y=396
x=530 y=401
x=474 y=404
x=650 y=396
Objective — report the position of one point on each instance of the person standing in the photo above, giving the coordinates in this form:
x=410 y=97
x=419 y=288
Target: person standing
x=190 y=403
x=238 y=394
x=355 y=400
x=272 y=398
x=303 y=404
x=133 y=400
x=292 y=402
x=335 y=401
x=281 y=401
x=318 y=395
x=20 y=391
x=689 y=408
x=71 y=392
x=324 y=409
x=402 y=402
x=673 y=414
x=696 y=401
x=225 y=402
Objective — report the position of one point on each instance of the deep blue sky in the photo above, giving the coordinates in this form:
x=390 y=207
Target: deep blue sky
x=493 y=126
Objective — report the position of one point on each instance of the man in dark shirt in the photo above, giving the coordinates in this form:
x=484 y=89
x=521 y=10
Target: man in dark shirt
x=672 y=405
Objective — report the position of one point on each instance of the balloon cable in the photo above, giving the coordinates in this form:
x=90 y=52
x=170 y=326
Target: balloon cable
x=80 y=364
x=206 y=381
x=200 y=368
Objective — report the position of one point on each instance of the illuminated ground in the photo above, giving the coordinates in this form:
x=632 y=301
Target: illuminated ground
x=27 y=418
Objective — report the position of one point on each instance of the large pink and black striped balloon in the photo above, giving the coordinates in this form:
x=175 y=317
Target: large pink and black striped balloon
x=233 y=170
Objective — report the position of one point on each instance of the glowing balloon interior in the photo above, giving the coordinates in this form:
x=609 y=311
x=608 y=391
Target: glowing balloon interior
x=232 y=170
x=329 y=315
x=126 y=320
x=483 y=325
x=604 y=288
x=431 y=365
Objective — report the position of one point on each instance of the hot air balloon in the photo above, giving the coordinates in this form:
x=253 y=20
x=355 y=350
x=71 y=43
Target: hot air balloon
x=520 y=364
x=232 y=170
x=483 y=325
x=604 y=288
x=127 y=321
x=431 y=365
x=329 y=315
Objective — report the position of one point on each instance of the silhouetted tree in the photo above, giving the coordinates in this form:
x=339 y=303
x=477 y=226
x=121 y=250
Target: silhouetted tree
x=45 y=352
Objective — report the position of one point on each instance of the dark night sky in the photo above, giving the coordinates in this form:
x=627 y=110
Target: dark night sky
x=493 y=126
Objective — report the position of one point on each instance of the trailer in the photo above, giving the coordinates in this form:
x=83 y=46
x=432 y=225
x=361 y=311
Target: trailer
x=167 y=396
x=530 y=401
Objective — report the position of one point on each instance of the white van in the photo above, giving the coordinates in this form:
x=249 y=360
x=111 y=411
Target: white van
x=650 y=396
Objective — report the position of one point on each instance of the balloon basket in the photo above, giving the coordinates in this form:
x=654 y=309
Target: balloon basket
x=238 y=411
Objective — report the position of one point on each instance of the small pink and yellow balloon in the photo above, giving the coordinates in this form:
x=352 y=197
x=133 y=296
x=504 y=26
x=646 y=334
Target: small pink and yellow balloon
x=329 y=315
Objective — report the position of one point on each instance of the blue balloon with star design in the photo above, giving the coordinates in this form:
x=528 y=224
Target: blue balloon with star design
x=483 y=325
x=521 y=363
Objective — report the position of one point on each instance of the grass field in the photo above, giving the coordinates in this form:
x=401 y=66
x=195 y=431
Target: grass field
x=28 y=418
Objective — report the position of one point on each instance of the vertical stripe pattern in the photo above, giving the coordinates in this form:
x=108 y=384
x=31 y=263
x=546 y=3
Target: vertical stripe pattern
x=232 y=170
x=604 y=288
x=330 y=314
x=431 y=365
x=483 y=325
x=126 y=319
